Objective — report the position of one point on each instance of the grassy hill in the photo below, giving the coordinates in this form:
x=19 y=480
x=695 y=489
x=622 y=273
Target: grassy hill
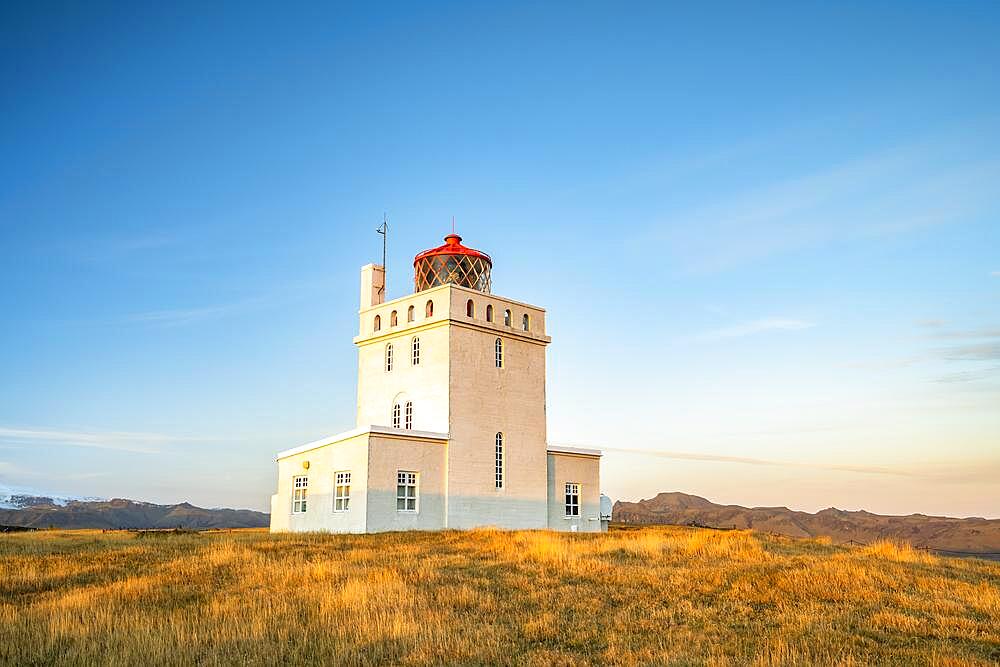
x=653 y=595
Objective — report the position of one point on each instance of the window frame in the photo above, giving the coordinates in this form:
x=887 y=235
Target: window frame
x=300 y=494
x=393 y=319
x=409 y=314
x=377 y=323
x=429 y=308
x=499 y=462
x=508 y=318
x=406 y=480
x=408 y=416
x=571 y=500
x=470 y=308
x=388 y=357
x=396 y=414
x=415 y=351
x=489 y=312
x=526 y=322
x=342 y=491
x=498 y=353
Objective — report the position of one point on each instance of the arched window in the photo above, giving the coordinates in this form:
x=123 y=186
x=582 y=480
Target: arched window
x=525 y=321
x=506 y=317
x=415 y=351
x=499 y=461
x=408 y=415
x=470 y=308
x=429 y=309
x=395 y=415
x=378 y=323
x=409 y=314
x=393 y=320
x=489 y=312
x=498 y=348
x=388 y=357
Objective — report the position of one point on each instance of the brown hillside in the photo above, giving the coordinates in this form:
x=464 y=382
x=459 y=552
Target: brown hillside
x=973 y=535
x=121 y=513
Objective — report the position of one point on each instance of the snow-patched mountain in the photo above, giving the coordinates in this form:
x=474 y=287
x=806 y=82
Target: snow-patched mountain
x=16 y=498
x=22 y=508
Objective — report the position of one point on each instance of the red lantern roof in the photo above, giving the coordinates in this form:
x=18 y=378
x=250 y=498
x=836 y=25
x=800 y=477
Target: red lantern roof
x=453 y=246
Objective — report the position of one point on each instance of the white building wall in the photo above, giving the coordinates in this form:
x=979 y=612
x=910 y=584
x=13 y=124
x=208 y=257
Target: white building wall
x=426 y=383
x=349 y=454
x=391 y=454
x=485 y=400
x=585 y=470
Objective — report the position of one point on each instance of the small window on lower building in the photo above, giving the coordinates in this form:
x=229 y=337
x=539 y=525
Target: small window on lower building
x=406 y=491
x=300 y=486
x=342 y=491
x=572 y=499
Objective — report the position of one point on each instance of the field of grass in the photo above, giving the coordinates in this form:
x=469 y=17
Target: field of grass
x=658 y=595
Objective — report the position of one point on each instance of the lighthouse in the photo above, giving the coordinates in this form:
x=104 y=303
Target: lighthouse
x=451 y=428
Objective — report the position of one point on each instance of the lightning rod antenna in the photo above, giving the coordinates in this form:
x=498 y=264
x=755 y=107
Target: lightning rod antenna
x=383 y=229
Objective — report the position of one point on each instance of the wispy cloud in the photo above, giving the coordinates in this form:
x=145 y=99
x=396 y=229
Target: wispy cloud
x=875 y=195
x=969 y=376
x=181 y=316
x=971 y=334
x=142 y=443
x=756 y=327
x=744 y=460
x=995 y=274
x=979 y=352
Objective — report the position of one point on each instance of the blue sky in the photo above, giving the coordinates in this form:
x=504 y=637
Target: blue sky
x=767 y=237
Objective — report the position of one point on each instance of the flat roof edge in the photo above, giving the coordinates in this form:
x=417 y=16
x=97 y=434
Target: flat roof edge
x=372 y=429
x=579 y=451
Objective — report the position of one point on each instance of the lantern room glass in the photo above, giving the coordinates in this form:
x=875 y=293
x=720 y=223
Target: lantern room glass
x=463 y=270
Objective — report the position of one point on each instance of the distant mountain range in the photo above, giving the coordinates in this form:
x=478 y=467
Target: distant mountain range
x=33 y=511
x=972 y=535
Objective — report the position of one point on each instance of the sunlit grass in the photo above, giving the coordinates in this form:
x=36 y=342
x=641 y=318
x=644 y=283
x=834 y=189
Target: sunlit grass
x=650 y=596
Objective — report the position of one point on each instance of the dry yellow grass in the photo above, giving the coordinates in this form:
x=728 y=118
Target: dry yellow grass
x=650 y=596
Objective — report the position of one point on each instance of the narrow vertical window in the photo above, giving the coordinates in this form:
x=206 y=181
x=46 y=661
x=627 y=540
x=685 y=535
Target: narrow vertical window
x=470 y=308
x=572 y=499
x=408 y=415
x=406 y=491
x=409 y=314
x=498 y=350
x=300 y=486
x=429 y=309
x=378 y=323
x=506 y=317
x=525 y=322
x=342 y=491
x=393 y=319
x=395 y=415
x=388 y=357
x=499 y=461
x=489 y=312
x=415 y=351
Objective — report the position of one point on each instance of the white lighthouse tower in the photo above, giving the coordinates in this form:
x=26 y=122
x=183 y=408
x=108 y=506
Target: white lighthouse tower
x=450 y=426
